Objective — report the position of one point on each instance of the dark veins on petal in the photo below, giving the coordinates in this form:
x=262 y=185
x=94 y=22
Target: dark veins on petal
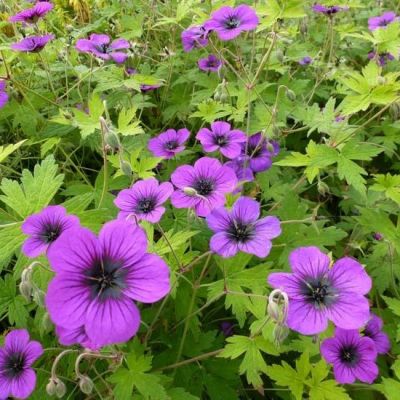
x=240 y=232
x=51 y=232
x=106 y=279
x=14 y=364
x=319 y=291
x=146 y=205
x=349 y=355
x=204 y=186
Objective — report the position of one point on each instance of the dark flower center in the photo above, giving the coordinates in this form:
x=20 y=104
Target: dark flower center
x=240 y=232
x=106 y=279
x=204 y=186
x=254 y=150
x=232 y=22
x=384 y=22
x=146 y=205
x=349 y=355
x=220 y=140
x=102 y=48
x=319 y=292
x=51 y=232
x=332 y=10
x=171 y=145
x=14 y=364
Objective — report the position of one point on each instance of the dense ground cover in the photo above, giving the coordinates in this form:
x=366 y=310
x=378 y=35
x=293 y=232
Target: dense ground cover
x=199 y=200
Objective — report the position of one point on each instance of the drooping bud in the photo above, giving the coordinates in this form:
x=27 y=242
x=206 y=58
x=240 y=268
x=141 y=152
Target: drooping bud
x=51 y=387
x=278 y=306
x=291 y=95
x=38 y=297
x=126 y=168
x=25 y=288
x=85 y=384
x=111 y=140
x=46 y=322
x=280 y=333
x=323 y=188
x=61 y=389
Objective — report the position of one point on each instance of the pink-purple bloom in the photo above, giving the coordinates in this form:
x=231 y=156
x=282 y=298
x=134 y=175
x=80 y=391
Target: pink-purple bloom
x=32 y=44
x=221 y=137
x=69 y=337
x=97 y=279
x=33 y=14
x=381 y=21
x=373 y=330
x=242 y=171
x=17 y=377
x=210 y=63
x=352 y=355
x=169 y=143
x=230 y=22
x=44 y=228
x=242 y=229
x=318 y=293
x=143 y=88
x=3 y=93
x=144 y=200
x=328 y=10
x=307 y=60
x=194 y=37
x=99 y=45
x=258 y=152
x=202 y=186
x=381 y=58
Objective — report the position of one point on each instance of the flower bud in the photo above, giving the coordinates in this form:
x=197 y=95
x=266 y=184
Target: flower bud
x=126 y=168
x=291 y=95
x=46 y=322
x=61 y=389
x=190 y=191
x=279 y=55
x=38 y=297
x=111 y=139
x=25 y=288
x=273 y=310
x=51 y=387
x=86 y=384
x=280 y=333
x=394 y=110
x=381 y=80
x=323 y=188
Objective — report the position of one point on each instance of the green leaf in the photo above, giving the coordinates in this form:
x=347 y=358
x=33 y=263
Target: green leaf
x=6 y=150
x=389 y=184
x=128 y=124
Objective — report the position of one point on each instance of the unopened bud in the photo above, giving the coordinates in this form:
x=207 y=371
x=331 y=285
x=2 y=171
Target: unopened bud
x=126 y=168
x=51 y=387
x=279 y=55
x=323 y=188
x=86 y=384
x=280 y=333
x=61 y=389
x=190 y=191
x=394 y=110
x=46 y=322
x=111 y=139
x=273 y=310
x=278 y=306
x=291 y=95
x=381 y=80
x=38 y=297
x=25 y=288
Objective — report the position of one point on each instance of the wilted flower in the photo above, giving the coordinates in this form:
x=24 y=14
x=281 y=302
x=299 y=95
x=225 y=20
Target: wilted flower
x=381 y=58
x=17 y=378
x=328 y=10
x=202 y=186
x=99 y=45
x=258 y=152
x=221 y=137
x=32 y=44
x=97 y=279
x=230 y=22
x=45 y=228
x=3 y=94
x=353 y=356
x=241 y=229
x=307 y=60
x=33 y=14
x=169 y=143
x=373 y=330
x=144 y=200
x=194 y=37
x=210 y=63
x=318 y=293
x=381 y=21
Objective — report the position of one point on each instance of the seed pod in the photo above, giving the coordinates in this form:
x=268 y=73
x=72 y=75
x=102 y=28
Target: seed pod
x=86 y=384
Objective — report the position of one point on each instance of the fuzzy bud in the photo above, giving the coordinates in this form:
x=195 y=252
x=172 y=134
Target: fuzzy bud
x=394 y=110
x=126 y=168
x=323 y=188
x=51 y=387
x=61 y=389
x=280 y=333
x=291 y=95
x=46 y=322
x=190 y=191
x=278 y=305
x=25 y=288
x=111 y=140
x=279 y=55
x=85 y=384
x=38 y=297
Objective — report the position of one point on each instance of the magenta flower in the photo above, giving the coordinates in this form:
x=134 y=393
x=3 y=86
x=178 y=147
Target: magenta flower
x=381 y=58
x=221 y=137
x=99 y=45
x=3 y=94
x=45 y=228
x=169 y=143
x=353 y=356
x=242 y=171
x=241 y=229
x=97 y=279
x=373 y=330
x=318 y=293
x=202 y=186
x=144 y=200
x=33 y=14
x=307 y=60
x=32 y=44
x=194 y=37
x=210 y=63
x=258 y=152
x=381 y=21
x=328 y=10
x=230 y=22
x=69 y=337
x=17 y=378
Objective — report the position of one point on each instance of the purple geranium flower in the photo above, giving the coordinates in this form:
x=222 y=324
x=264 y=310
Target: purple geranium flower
x=99 y=45
x=194 y=37
x=17 y=378
x=221 y=137
x=33 y=14
x=381 y=21
x=32 y=44
x=373 y=330
x=381 y=58
x=202 y=186
x=353 y=356
x=241 y=229
x=210 y=63
x=143 y=88
x=3 y=94
x=168 y=143
x=97 y=280
x=307 y=60
x=328 y=10
x=258 y=152
x=45 y=228
x=318 y=293
x=243 y=172
x=69 y=337
x=230 y=22
x=144 y=200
